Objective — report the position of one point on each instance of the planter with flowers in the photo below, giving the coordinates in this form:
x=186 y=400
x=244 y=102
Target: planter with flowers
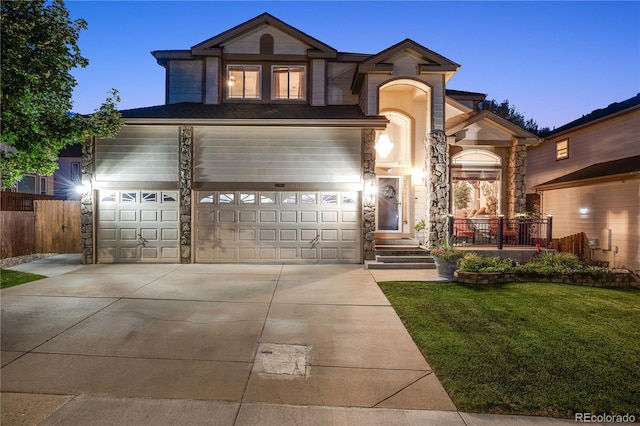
x=446 y=257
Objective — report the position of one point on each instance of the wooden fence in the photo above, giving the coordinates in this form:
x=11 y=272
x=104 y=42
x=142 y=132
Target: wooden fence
x=18 y=201
x=52 y=227
x=577 y=244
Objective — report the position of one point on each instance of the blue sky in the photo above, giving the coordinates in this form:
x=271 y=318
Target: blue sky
x=554 y=61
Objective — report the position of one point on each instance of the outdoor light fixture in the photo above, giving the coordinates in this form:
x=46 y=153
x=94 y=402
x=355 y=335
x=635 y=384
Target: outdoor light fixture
x=370 y=190
x=83 y=189
x=384 y=145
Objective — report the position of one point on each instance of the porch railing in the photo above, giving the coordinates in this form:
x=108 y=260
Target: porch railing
x=498 y=231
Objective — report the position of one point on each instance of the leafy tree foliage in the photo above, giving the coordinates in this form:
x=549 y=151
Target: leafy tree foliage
x=509 y=112
x=38 y=50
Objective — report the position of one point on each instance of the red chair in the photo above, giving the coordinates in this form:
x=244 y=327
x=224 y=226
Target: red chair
x=507 y=234
x=462 y=230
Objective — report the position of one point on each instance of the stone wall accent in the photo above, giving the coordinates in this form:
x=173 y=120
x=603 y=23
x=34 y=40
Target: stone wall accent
x=516 y=172
x=186 y=172
x=86 y=202
x=368 y=200
x=437 y=186
x=615 y=279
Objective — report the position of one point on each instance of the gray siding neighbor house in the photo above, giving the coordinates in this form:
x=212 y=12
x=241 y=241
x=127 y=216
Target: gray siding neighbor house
x=587 y=174
x=274 y=147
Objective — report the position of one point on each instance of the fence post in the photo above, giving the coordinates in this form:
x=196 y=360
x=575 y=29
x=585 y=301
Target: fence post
x=549 y=229
x=499 y=236
x=450 y=225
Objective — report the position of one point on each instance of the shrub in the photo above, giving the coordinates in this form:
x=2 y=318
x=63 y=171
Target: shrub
x=552 y=263
x=471 y=262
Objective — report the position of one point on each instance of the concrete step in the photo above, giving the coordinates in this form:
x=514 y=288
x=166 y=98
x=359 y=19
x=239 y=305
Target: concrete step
x=408 y=242
x=393 y=251
x=404 y=259
x=372 y=264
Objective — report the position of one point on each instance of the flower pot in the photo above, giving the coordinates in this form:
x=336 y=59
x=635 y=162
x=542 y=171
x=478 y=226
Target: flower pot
x=446 y=268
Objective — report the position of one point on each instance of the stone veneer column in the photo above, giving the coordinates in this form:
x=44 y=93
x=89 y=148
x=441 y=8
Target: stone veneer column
x=86 y=202
x=368 y=200
x=516 y=171
x=186 y=167
x=437 y=186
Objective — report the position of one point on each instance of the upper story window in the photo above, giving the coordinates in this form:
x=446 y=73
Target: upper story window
x=562 y=149
x=288 y=82
x=243 y=81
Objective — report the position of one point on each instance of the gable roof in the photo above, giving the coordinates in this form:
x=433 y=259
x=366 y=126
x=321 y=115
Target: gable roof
x=433 y=62
x=527 y=138
x=629 y=165
x=214 y=43
x=614 y=108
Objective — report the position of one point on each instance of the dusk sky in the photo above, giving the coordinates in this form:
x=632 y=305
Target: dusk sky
x=554 y=61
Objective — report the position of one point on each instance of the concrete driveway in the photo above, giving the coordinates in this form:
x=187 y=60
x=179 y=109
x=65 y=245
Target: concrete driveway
x=215 y=340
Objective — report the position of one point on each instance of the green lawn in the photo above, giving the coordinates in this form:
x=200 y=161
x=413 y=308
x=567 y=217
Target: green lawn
x=535 y=349
x=10 y=278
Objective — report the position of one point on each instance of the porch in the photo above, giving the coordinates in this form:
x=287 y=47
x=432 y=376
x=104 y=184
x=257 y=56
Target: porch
x=496 y=232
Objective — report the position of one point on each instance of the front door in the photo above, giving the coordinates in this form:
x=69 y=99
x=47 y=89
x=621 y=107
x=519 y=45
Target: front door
x=389 y=204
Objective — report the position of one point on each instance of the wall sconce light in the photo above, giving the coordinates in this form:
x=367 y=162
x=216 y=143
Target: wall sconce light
x=583 y=210
x=83 y=189
x=419 y=175
x=370 y=190
x=384 y=145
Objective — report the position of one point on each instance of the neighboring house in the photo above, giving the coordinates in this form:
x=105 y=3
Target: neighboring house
x=68 y=177
x=274 y=147
x=63 y=183
x=587 y=174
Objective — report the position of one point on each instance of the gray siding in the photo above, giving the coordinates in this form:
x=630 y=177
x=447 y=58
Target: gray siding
x=138 y=154
x=608 y=205
x=274 y=154
x=339 y=78
x=611 y=140
x=185 y=81
x=211 y=81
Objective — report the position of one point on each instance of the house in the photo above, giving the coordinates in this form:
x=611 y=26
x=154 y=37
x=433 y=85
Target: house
x=587 y=174
x=272 y=146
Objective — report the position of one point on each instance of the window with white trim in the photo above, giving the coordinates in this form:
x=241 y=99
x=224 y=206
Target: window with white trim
x=243 y=81
x=288 y=82
x=562 y=149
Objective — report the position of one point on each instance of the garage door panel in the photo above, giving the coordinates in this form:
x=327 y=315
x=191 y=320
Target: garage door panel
x=169 y=215
x=148 y=215
x=128 y=234
x=149 y=234
x=277 y=226
x=268 y=216
x=169 y=234
x=108 y=215
x=108 y=234
x=227 y=216
x=128 y=215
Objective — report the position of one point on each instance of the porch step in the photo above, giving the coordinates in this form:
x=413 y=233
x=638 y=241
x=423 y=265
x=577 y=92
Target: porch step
x=401 y=256
x=406 y=242
x=374 y=264
x=404 y=259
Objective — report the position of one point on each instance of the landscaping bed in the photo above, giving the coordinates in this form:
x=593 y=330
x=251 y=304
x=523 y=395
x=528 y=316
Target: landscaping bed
x=552 y=267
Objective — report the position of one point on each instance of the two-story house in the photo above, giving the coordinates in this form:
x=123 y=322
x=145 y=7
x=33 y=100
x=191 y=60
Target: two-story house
x=275 y=147
x=587 y=174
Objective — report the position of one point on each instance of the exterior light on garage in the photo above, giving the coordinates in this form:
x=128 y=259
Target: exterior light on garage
x=370 y=190
x=384 y=145
x=83 y=189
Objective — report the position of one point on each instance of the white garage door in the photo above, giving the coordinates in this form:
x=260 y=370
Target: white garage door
x=290 y=227
x=138 y=226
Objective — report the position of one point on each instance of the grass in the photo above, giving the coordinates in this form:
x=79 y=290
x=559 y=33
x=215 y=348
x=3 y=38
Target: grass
x=9 y=278
x=527 y=348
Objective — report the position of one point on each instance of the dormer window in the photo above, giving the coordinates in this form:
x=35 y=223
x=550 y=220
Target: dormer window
x=243 y=82
x=288 y=82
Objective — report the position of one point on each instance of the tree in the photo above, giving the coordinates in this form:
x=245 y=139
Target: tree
x=38 y=50
x=510 y=113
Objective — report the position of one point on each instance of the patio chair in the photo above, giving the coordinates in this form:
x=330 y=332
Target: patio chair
x=508 y=235
x=463 y=230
